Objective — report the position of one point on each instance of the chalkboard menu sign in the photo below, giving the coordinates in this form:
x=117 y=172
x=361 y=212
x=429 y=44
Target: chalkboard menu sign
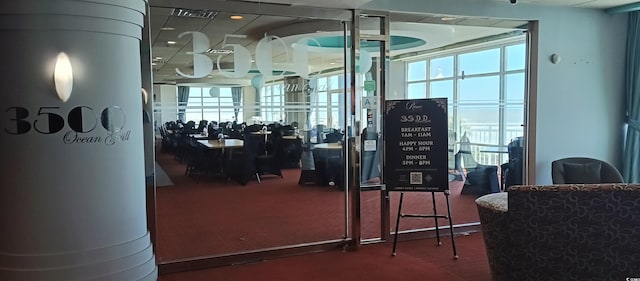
x=416 y=145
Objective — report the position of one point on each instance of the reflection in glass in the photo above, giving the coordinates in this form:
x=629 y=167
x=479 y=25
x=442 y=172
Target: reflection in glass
x=441 y=67
x=484 y=89
x=485 y=61
x=514 y=118
x=201 y=202
x=442 y=89
x=417 y=91
x=516 y=57
x=417 y=71
x=514 y=90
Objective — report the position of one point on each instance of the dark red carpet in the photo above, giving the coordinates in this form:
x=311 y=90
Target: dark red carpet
x=415 y=260
x=213 y=217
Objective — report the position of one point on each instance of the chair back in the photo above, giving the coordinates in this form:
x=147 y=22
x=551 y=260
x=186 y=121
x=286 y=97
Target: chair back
x=334 y=136
x=244 y=161
x=274 y=143
x=190 y=127
x=586 y=170
x=253 y=128
x=201 y=125
x=287 y=130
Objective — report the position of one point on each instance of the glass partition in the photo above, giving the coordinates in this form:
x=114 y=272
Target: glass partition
x=243 y=105
x=484 y=83
x=261 y=123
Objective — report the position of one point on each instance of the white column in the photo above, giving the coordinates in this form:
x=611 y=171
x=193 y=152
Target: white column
x=73 y=179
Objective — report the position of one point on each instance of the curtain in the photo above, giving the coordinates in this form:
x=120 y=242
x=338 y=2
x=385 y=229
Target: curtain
x=631 y=156
x=183 y=97
x=236 y=96
x=258 y=100
x=313 y=99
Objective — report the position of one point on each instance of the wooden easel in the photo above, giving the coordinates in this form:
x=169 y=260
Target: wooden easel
x=435 y=216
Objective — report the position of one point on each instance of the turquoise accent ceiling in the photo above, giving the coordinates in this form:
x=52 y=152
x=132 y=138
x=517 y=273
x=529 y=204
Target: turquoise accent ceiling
x=397 y=42
x=275 y=72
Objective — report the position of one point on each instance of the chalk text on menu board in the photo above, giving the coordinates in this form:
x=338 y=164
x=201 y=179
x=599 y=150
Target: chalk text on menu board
x=415 y=132
x=418 y=155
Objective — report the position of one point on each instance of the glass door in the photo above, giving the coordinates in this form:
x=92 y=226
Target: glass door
x=480 y=70
x=245 y=104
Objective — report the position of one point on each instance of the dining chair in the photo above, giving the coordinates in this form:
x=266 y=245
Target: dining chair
x=269 y=160
x=242 y=162
x=291 y=151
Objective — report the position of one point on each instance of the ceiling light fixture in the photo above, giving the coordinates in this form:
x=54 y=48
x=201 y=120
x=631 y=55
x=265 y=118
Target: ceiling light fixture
x=236 y=17
x=167 y=28
x=171 y=42
x=189 y=13
x=219 y=51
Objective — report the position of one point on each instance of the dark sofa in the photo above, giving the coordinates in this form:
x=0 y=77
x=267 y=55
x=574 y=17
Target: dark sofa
x=563 y=232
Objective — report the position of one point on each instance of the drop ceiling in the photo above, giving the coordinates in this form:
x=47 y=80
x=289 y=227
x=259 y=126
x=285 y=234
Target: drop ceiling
x=438 y=31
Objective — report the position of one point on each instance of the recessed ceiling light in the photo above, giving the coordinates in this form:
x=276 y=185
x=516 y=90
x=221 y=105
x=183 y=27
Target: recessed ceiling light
x=171 y=42
x=219 y=51
x=153 y=63
x=192 y=13
x=236 y=17
x=448 y=18
x=167 y=28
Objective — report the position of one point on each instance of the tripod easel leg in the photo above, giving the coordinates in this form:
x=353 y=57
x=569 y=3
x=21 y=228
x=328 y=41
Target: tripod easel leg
x=453 y=240
x=435 y=218
x=395 y=237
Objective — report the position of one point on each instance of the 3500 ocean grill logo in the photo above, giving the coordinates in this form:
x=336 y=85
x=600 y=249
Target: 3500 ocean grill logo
x=86 y=125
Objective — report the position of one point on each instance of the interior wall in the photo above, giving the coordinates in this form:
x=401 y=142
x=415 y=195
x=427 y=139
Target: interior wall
x=580 y=100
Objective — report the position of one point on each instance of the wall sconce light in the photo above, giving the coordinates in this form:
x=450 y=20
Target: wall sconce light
x=145 y=96
x=63 y=77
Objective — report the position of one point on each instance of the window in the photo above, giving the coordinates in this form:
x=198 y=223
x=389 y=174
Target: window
x=272 y=103
x=212 y=104
x=485 y=88
x=327 y=103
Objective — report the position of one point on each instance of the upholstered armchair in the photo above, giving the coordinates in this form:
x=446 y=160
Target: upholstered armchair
x=480 y=179
x=584 y=170
x=562 y=232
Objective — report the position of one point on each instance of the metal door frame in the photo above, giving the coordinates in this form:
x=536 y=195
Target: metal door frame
x=202 y=262
x=383 y=37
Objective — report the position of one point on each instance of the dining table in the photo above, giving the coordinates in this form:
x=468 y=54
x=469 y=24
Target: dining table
x=222 y=144
x=329 y=163
x=329 y=145
x=198 y=136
